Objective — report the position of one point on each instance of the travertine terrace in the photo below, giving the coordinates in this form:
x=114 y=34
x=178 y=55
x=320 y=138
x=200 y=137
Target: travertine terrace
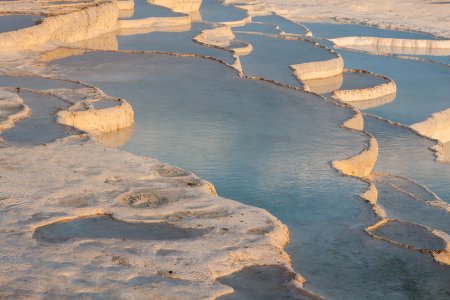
x=82 y=219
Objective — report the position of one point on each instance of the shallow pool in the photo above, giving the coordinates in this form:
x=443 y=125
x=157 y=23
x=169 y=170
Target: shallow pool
x=41 y=126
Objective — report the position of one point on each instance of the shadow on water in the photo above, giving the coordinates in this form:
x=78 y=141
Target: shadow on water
x=105 y=227
x=247 y=284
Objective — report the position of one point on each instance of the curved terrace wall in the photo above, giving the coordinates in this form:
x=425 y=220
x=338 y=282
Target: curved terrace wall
x=99 y=120
x=387 y=88
x=219 y=36
x=319 y=69
x=360 y=165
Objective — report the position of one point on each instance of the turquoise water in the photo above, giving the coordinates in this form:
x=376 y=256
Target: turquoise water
x=270 y=147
